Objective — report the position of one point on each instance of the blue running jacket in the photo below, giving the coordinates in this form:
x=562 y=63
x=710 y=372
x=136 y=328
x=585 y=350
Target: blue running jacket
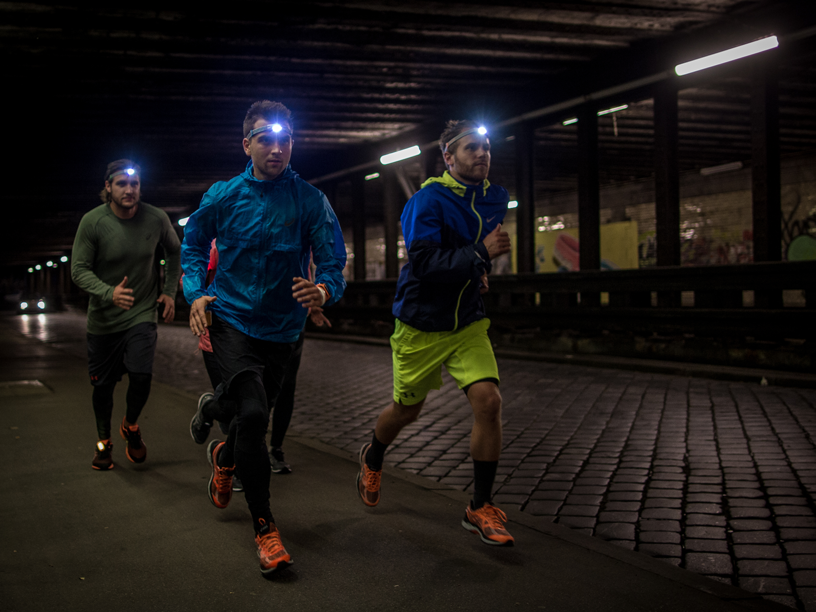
x=444 y=224
x=264 y=231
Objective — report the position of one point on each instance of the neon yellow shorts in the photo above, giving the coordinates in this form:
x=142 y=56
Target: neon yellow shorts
x=418 y=358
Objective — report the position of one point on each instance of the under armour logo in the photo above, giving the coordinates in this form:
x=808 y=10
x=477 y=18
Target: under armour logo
x=408 y=394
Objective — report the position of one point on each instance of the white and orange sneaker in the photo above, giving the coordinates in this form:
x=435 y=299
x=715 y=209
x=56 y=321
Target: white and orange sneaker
x=272 y=554
x=488 y=523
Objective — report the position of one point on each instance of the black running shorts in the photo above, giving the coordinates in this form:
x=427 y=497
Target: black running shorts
x=112 y=355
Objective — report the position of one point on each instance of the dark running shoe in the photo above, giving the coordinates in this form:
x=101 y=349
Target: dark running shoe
x=368 y=481
x=102 y=456
x=199 y=427
x=219 y=489
x=272 y=554
x=237 y=485
x=136 y=450
x=488 y=523
x=277 y=461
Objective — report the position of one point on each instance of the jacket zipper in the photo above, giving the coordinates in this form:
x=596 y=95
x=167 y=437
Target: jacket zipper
x=478 y=233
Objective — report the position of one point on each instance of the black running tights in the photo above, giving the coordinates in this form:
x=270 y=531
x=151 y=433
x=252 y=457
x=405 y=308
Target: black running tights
x=102 y=399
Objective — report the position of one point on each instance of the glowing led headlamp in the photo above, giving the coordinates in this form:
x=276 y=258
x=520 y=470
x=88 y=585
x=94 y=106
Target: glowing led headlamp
x=128 y=171
x=481 y=130
x=276 y=128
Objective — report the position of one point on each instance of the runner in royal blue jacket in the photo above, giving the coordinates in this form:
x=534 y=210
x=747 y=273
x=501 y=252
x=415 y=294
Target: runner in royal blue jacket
x=265 y=222
x=452 y=230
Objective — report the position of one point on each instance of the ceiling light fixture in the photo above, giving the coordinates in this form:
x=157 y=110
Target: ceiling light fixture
x=758 y=46
x=390 y=158
x=601 y=113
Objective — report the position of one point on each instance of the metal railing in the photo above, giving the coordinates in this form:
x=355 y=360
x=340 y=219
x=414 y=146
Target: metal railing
x=774 y=300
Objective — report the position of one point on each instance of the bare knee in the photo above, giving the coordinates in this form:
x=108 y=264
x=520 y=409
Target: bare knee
x=406 y=414
x=486 y=401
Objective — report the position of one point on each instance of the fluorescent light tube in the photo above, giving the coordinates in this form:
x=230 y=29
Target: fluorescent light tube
x=390 y=158
x=758 y=46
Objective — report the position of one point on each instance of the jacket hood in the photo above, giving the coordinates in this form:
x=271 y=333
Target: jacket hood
x=446 y=180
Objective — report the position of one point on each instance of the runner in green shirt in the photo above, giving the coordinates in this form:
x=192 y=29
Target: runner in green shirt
x=114 y=260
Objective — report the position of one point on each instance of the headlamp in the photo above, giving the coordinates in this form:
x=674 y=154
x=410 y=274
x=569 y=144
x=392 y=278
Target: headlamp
x=128 y=171
x=277 y=128
x=481 y=130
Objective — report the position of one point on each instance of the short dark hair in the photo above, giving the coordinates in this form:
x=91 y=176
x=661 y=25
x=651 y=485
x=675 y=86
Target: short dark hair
x=266 y=109
x=453 y=128
x=113 y=168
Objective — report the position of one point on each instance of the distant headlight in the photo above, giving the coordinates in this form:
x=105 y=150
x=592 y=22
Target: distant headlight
x=23 y=305
x=41 y=305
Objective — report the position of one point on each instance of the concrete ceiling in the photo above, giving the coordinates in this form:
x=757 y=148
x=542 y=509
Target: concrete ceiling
x=90 y=82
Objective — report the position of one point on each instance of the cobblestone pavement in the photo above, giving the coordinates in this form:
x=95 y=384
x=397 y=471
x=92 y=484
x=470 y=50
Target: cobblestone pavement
x=715 y=477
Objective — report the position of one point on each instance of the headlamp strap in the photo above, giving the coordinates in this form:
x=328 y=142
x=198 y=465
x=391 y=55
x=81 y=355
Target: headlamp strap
x=461 y=135
x=269 y=128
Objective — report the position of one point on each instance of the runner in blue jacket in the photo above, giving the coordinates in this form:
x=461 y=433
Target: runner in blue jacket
x=452 y=230
x=265 y=223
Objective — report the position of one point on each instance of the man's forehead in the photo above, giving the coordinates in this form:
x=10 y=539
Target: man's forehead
x=474 y=138
x=124 y=175
x=262 y=122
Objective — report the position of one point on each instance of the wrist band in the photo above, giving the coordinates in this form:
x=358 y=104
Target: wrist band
x=324 y=291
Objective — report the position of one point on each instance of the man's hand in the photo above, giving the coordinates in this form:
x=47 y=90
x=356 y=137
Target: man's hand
x=484 y=287
x=317 y=317
x=497 y=242
x=169 y=307
x=123 y=298
x=307 y=293
x=198 y=314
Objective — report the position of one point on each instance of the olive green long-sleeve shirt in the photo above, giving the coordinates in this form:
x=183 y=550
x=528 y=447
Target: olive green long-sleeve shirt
x=107 y=249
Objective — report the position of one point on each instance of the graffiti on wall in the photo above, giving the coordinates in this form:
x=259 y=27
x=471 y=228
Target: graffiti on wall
x=798 y=235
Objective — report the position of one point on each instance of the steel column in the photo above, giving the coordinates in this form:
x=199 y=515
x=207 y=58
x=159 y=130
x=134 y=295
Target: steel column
x=358 y=226
x=589 y=197
x=525 y=194
x=766 y=179
x=391 y=214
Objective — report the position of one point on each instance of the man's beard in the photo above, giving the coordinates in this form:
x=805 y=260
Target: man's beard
x=120 y=203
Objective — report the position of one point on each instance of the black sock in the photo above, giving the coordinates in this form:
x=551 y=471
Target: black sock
x=484 y=473
x=376 y=453
x=226 y=456
x=262 y=523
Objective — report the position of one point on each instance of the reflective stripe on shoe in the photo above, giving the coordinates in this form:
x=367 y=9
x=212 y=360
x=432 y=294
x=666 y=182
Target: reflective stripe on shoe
x=488 y=523
x=102 y=456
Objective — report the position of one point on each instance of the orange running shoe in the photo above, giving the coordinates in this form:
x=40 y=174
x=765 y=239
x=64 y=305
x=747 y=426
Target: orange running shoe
x=219 y=489
x=136 y=450
x=488 y=522
x=368 y=481
x=102 y=456
x=271 y=552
